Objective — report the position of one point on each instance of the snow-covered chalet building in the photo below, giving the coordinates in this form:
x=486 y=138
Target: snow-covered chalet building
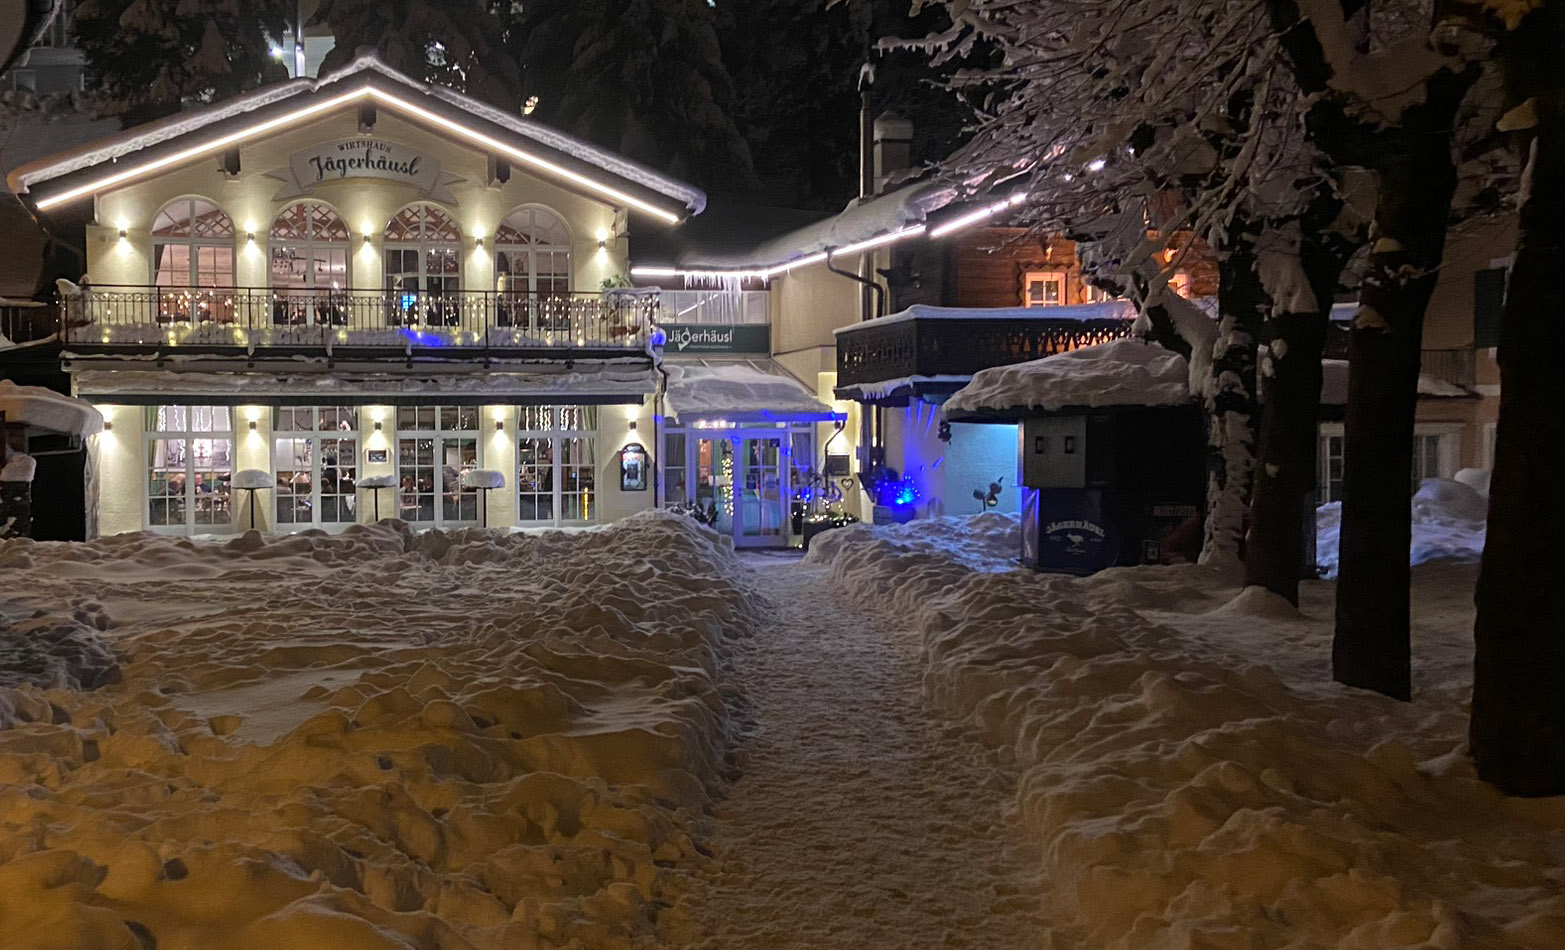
x=356 y=296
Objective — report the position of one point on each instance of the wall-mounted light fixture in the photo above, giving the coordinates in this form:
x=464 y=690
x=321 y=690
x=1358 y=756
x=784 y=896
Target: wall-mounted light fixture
x=108 y=426
x=499 y=425
x=249 y=237
x=122 y=234
x=366 y=239
x=633 y=425
x=377 y=426
x=252 y=425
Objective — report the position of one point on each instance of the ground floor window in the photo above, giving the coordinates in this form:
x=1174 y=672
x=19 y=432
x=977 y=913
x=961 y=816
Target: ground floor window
x=1434 y=454
x=189 y=468
x=435 y=445
x=556 y=470
x=315 y=455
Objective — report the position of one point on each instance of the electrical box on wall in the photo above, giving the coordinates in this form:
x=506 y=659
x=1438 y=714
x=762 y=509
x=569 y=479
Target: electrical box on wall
x=1054 y=452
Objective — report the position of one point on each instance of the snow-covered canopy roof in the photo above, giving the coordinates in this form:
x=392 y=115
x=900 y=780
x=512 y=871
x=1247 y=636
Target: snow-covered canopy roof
x=739 y=391
x=40 y=408
x=198 y=133
x=1124 y=372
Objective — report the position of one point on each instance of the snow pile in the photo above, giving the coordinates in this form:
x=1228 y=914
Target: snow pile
x=48 y=649
x=1449 y=522
x=1119 y=310
x=378 y=739
x=1118 y=373
x=989 y=541
x=45 y=409
x=20 y=467
x=5 y=342
x=1194 y=779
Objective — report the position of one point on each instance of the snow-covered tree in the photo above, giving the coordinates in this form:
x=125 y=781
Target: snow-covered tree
x=1389 y=101
x=1518 y=726
x=1133 y=126
x=643 y=77
x=148 y=58
x=456 y=43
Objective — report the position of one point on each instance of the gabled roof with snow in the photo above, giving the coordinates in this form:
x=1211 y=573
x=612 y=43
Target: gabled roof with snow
x=196 y=133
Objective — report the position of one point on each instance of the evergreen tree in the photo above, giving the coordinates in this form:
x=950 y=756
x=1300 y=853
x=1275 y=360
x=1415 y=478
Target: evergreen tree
x=457 y=43
x=149 y=58
x=642 y=77
x=798 y=100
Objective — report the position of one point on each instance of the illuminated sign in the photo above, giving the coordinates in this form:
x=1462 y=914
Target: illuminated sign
x=363 y=158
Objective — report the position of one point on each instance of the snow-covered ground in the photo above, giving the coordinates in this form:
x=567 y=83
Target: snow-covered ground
x=1192 y=776
x=372 y=740
x=1449 y=523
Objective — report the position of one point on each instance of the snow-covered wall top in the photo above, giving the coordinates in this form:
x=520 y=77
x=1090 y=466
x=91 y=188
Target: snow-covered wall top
x=112 y=148
x=46 y=409
x=1124 y=372
x=1334 y=384
x=1108 y=310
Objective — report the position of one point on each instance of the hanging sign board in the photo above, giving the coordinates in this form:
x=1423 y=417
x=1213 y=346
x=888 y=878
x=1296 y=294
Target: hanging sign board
x=361 y=158
x=705 y=338
x=633 y=467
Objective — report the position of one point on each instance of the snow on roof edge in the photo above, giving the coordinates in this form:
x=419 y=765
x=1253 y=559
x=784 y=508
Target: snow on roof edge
x=113 y=147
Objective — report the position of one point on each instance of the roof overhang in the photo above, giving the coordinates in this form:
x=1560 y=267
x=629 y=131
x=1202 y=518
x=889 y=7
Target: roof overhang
x=138 y=153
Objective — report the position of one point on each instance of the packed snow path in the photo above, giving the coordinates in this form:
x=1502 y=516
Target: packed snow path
x=859 y=819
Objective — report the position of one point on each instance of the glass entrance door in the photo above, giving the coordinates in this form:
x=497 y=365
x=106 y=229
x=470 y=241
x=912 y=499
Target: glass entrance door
x=762 y=508
x=740 y=484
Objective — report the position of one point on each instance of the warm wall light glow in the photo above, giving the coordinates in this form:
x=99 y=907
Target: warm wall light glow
x=248 y=133
x=767 y=273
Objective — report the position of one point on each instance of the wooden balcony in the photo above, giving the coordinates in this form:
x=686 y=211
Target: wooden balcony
x=359 y=325
x=890 y=359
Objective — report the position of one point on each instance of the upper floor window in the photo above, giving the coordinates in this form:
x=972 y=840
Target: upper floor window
x=309 y=248
x=533 y=253
x=423 y=265
x=192 y=245
x=1043 y=288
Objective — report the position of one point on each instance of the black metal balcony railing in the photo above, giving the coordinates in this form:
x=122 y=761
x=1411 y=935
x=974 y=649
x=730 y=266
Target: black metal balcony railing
x=250 y=319
x=960 y=347
x=27 y=322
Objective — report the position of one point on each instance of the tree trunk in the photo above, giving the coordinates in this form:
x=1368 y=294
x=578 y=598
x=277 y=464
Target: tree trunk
x=1284 y=494
x=1231 y=402
x=1417 y=178
x=1517 y=736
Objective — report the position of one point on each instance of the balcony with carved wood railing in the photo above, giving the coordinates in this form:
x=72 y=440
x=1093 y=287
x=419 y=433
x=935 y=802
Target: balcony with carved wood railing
x=891 y=358
x=357 y=324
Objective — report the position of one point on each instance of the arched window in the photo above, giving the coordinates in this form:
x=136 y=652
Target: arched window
x=309 y=266
x=309 y=246
x=192 y=245
x=533 y=253
x=423 y=266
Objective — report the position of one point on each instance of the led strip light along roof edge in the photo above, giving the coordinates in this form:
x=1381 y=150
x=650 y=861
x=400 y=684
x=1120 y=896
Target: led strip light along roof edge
x=956 y=224
x=394 y=101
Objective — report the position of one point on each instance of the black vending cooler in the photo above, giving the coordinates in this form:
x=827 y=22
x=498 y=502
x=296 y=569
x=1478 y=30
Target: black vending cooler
x=1113 y=487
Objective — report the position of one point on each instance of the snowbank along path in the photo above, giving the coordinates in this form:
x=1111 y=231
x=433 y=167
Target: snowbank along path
x=1192 y=776
x=381 y=740
x=859 y=819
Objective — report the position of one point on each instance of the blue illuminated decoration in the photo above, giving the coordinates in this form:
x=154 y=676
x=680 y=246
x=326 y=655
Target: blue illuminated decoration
x=893 y=490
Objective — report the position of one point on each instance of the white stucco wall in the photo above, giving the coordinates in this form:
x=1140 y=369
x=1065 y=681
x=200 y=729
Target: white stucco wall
x=365 y=205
